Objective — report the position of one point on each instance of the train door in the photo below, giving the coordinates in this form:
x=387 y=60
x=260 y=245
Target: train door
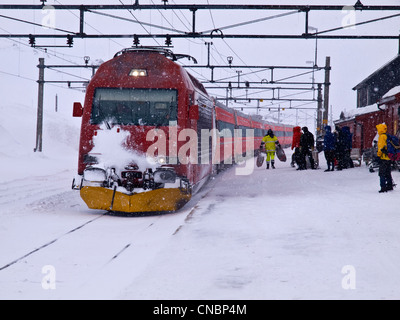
x=215 y=139
x=204 y=126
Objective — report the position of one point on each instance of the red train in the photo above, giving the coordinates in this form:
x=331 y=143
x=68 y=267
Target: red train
x=151 y=135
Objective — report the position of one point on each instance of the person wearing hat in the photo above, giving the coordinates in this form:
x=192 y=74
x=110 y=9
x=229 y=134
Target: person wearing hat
x=270 y=141
x=306 y=148
x=329 y=148
x=296 y=159
x=385 y=174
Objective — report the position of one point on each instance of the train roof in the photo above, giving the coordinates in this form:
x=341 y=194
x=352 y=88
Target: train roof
x=161 y=50
x=168 y=53
x=251 y=117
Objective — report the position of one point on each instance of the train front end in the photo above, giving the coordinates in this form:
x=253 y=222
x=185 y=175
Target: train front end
x=135 y=106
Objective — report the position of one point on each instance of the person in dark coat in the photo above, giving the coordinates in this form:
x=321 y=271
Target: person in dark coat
x=306 y=148
x=329 y=148
x=348 y=144
x=340 y=148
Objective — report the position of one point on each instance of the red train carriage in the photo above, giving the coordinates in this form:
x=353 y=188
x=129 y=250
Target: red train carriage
x=225 y=124
x=150 y=134
x=259 y=133
x=244 y=135
x=153 y=99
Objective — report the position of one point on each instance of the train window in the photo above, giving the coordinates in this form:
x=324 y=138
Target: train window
x=150 y=107
x=222 y=125
x=258 y=132
x=242 y=132
x=160 y=106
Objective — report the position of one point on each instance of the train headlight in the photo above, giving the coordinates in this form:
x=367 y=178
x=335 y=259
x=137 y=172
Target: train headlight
x=94 y=174
x=138 y=73
x=164 y=176
x=163 y=160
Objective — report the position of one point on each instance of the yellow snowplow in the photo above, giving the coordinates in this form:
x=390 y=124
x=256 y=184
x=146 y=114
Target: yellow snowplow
x=158 y=200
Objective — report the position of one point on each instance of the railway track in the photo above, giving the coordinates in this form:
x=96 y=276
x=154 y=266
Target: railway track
x=100 y=250
x=24 y=191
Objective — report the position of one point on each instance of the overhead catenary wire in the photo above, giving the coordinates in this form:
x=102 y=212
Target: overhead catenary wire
x=198 y=74
x=17 y=75
x=215 y=48
x=69 y=74
x=226 y=43
x=46 y=51
x=252 y=21
x=36 y=24
x=352 y=25
x=87 y=23
x=135 y=21
x=167 y=20
x=294 y=76
x=242 y=24
x=155 y=40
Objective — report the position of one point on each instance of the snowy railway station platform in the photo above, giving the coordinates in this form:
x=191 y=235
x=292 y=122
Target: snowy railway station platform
x=271 y=234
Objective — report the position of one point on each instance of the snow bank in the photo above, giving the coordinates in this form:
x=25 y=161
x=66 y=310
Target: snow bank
x=18 y=140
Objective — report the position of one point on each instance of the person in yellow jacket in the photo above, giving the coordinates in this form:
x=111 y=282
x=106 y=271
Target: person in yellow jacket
x=385 y=174
x=270 y=141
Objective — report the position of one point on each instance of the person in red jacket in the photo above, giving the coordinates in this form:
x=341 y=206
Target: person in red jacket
x=296 y=146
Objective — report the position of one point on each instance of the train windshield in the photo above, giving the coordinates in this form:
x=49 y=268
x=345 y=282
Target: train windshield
x=148 y=107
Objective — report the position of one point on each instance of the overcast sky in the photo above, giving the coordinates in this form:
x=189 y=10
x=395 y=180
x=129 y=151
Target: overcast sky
x=351 y=60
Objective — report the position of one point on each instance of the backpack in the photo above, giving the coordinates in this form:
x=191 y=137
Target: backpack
x=393 y=145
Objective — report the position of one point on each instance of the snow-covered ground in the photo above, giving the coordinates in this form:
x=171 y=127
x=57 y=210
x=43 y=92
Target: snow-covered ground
x=273 y=234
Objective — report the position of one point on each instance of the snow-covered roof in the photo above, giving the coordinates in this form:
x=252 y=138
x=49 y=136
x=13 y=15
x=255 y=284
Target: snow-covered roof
x=356 y=112
x=392 y=92
x=389 y=96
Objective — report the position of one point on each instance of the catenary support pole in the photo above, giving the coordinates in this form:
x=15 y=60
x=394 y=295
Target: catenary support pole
x=326 y=92
x=319 y=110
x=39 y=125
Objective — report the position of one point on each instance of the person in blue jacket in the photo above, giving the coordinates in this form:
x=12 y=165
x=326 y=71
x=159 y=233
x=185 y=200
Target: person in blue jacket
x=329 y=148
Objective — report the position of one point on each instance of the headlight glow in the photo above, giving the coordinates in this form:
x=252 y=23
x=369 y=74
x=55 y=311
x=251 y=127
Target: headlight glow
x=138 y=73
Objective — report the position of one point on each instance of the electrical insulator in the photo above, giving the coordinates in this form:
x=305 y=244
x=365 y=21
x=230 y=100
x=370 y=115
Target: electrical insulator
x=32 y=40
x=136 y=40
x=168 y=41
x=70 y=40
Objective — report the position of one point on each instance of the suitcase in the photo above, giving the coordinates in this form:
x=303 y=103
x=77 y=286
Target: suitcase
x=316 y=160
x=260 y=159
x=280 y=153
